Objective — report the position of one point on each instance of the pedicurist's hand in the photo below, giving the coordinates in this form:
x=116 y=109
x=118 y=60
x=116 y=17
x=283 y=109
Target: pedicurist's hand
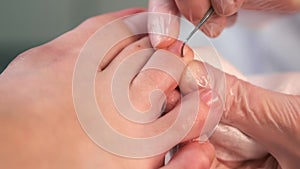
x=194 y=10
x=168 y=22
x=50 y=116
x=267 y=117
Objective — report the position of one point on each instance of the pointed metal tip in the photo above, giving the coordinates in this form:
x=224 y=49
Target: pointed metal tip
x=182 y=49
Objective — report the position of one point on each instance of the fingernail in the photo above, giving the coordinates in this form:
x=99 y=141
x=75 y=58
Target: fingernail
x=155 y=40
x=195 y=77
x=160 y=40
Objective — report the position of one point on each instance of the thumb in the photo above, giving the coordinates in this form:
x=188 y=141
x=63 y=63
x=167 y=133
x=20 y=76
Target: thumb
x=163 y=23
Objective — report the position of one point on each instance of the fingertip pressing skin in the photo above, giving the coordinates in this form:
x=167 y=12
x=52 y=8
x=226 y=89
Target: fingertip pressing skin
x=163 y=14
x=214 y=25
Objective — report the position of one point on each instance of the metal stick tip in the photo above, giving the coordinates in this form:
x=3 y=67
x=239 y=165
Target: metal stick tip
x=182 y=49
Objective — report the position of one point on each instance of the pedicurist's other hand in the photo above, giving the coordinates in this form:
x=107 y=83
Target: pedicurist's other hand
x=269 y=118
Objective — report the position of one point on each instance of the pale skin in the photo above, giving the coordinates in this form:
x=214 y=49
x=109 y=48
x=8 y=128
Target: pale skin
x=39 y=127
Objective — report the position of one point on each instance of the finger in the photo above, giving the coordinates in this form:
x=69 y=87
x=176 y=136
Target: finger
x=271 y=112
x=163 y=23
x=195 y=77
x=214 y=25
x=226 y=7
x=192 y=156
x=231 y=20
x=193 y=10
x=233 y=145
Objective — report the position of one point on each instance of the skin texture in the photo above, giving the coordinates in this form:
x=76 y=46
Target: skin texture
x=39 y=126
x=271 y=120
x=225 y=14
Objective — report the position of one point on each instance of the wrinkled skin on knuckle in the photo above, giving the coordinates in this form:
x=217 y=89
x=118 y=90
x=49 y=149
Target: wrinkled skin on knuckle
x=236 y=95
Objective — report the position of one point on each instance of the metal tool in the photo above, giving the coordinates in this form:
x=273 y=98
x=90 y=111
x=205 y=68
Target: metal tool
x=207 y=15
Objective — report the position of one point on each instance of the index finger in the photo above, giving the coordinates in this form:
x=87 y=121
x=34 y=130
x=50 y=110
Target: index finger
x=163 y=23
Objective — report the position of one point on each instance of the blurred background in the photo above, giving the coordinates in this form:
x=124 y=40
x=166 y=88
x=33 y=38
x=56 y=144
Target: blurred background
x=258 y=42
x=29 y=23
